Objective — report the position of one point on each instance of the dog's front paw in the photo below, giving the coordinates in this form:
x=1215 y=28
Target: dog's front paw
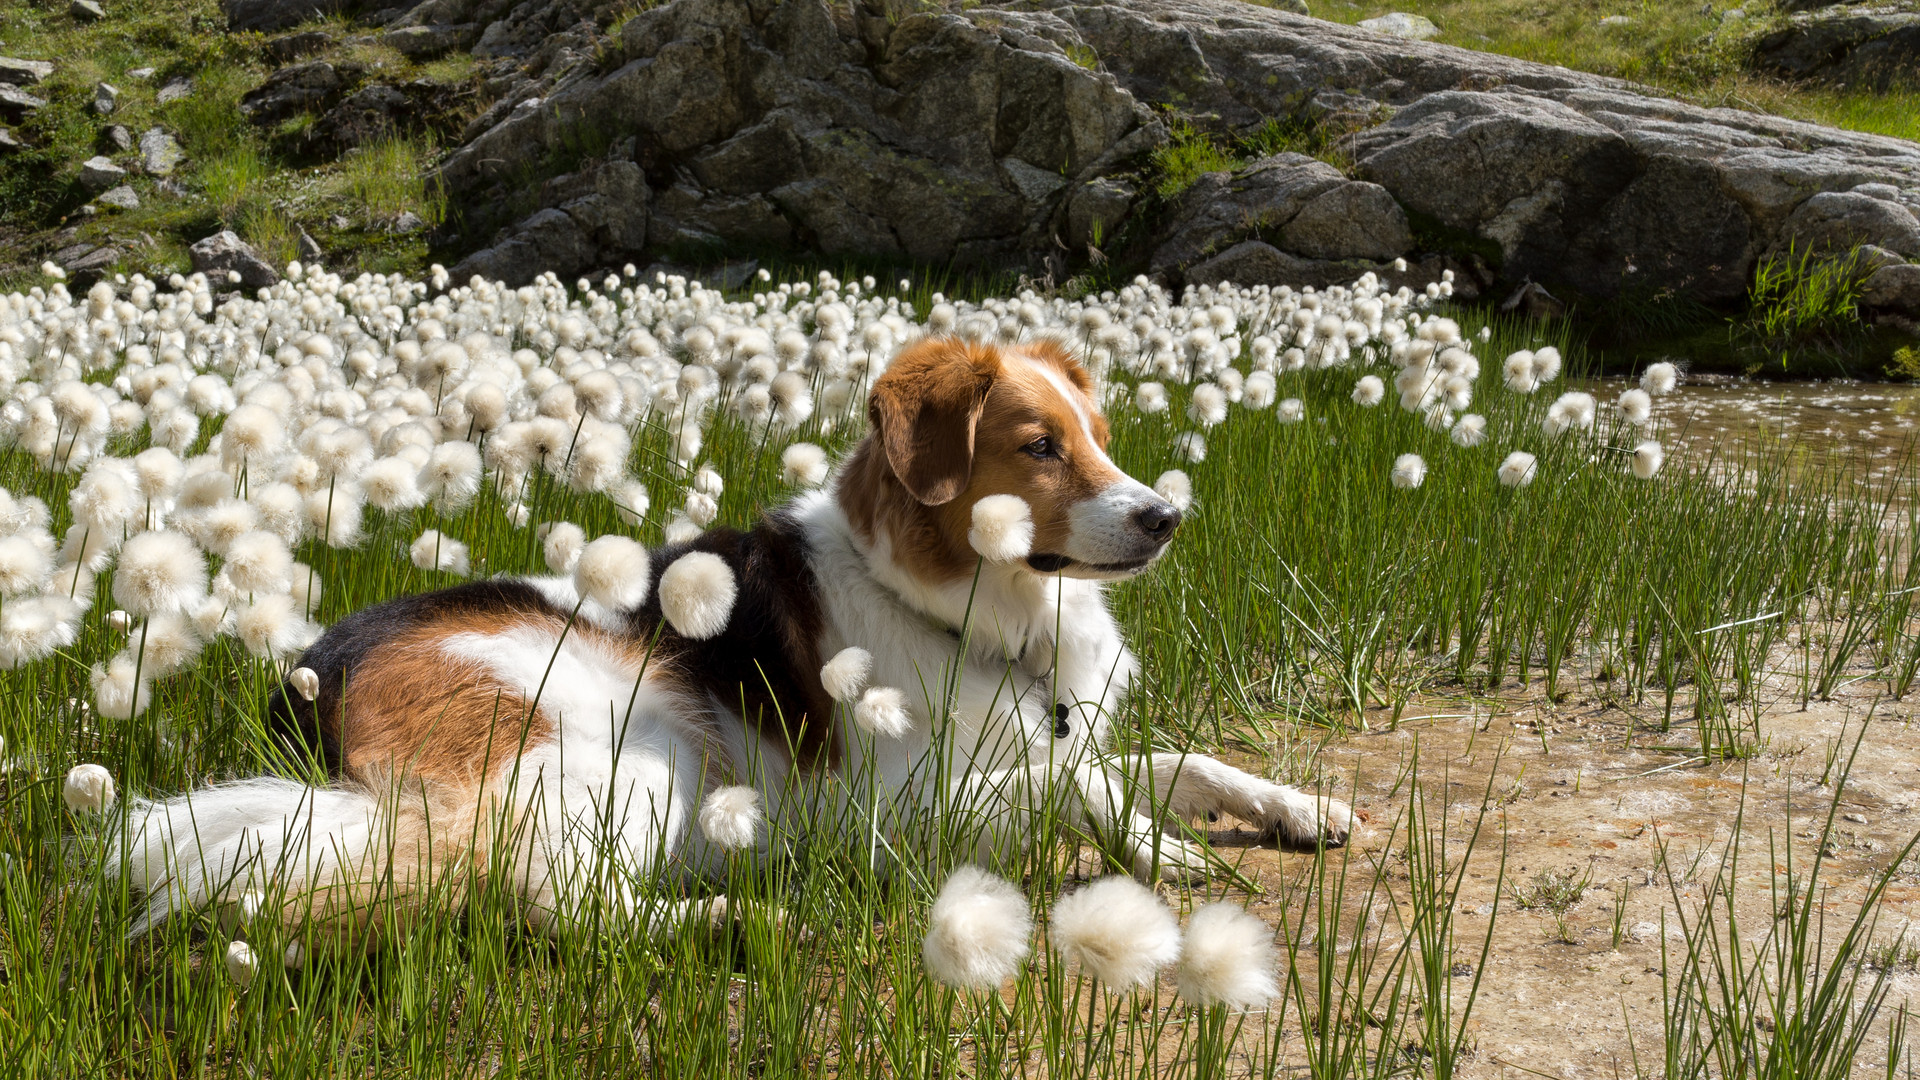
x=1299 y=819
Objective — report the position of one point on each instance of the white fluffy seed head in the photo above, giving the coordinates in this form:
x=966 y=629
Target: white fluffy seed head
x=25 y=562
x=1636 y=406
x=613 y=572
x=1647 y=458
x=1175 y=487
x=1002 y=529
x=1292 y=411
x=977 y=931
x=1546 y=365
x=1660 y=379
x=258 y=562
x=1209 y=405
x=271 y=627
x=88 y=788
x=561 y=546
x=1369 y=391
x=883 y=712
x=434 y=550
x=846 y=674
x=730 y=817
x=697 y=591
x=1518 y=469
x=1150 y=398
x=804 y=465
x=1470 y=430
x=1409 y=471
x=1227 y=959
x=165 y=644
x=1117 y=930
x=305 y=682
x=159 y=572
x=242 y=964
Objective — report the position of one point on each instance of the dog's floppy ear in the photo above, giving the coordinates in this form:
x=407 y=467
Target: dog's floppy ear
x=924 y=411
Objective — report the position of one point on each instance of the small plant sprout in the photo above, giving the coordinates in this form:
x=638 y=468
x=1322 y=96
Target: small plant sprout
x=1517 y=469
x=1176 y=488
x=730 y=817
x=697 y=591
x=803 y=465
x=88 y=788
x=977 y=932
x=1409 y=471
x=613 y=572
x=305 y=682
x=845 y=676
x=1647 y=458
x=242 y=965
x=1002 y=529
x=883 y=712
x=1117 y=930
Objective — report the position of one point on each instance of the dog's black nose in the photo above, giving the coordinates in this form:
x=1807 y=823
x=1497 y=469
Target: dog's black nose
x=1157 y=521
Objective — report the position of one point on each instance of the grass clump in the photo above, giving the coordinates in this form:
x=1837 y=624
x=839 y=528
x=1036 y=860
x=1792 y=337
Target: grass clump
x=1188 y=155
x=387 y=178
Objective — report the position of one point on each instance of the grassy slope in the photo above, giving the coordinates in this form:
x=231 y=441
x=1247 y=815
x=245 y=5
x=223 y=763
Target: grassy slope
x=1691 y=50
x=237 y=176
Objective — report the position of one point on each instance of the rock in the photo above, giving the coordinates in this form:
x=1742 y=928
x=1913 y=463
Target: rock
x=285 y=50
x=293 y=90
x=116 y=139
x=407 y=222
x=1864 y=46
x=268 y=16
x=224 y=252
x=86 y=11
x=604 y=210
x=1616 y=21
x=9 y=142
x=120 y=198
x=1401 y=24
x=379 y=111
x=1869 y=258
x=159 y=153
x=1835 y=222
x=1097 y=208
x=84 y=262
x=1894 y=288
x=141 y=74
x=309 y=249
x=1534 y=302
x=16 y=104
x=175 y=89
x=424 y=42
x=941 y=136
x=97 y=174
x=1352 y=221
x=23 y=72
x=106 y=98
x=1295 y=203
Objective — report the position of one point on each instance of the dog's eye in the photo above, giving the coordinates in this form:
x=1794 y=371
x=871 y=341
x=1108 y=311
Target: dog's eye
x=1042 y=447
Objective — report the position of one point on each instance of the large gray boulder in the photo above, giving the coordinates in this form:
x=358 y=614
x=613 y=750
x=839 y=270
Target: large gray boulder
x=935 y=137
x=1291 y=202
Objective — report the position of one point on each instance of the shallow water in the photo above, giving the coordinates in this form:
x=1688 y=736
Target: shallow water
x=1871 y=426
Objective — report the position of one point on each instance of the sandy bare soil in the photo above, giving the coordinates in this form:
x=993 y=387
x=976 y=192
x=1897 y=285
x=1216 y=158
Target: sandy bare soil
x=1570 y=798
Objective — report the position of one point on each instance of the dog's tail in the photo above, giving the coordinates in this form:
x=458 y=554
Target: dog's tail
x=349 y=856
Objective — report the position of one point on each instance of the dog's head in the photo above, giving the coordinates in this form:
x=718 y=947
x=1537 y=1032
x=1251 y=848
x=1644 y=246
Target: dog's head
x=954 y=422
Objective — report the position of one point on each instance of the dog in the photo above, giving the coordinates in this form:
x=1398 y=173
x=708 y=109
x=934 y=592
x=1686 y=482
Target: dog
x=512 y=723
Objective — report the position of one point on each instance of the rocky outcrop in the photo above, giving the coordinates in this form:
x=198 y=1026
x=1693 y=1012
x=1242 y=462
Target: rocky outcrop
x=934 y=138
x=224 y=254
x=1020 y=133
x=1865 y=46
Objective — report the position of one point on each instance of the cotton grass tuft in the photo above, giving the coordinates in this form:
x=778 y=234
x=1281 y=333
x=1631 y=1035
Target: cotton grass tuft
x=87 y=789
x=730 y=817
x=613 y=572
x=1002 y=529
x=1117 y=930
x=1227 y=959
x=978 y=931
x=697 y=593
x=845 y=676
